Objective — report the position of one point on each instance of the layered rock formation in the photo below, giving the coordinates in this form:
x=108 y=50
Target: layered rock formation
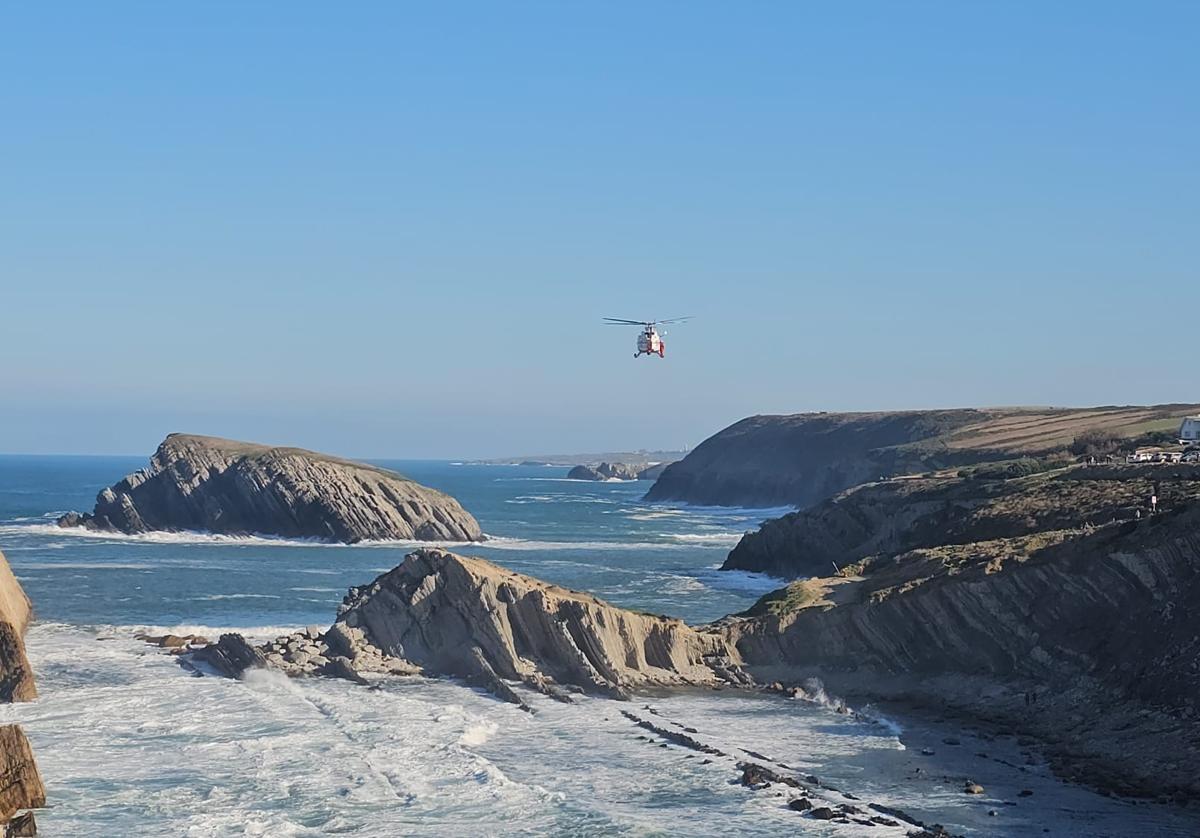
x=444 y=614
x=904 y=514
x=16 y=675
x=21 y=785
x=1085 y=638
x=222 y=486
x=801 y=459
x=467 y=617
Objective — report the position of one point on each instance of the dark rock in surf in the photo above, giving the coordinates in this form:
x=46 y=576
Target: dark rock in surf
x=231 y=656
x=222 y=486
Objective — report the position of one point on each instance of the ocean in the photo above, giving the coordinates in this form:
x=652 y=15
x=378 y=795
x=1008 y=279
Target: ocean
x=130 y=744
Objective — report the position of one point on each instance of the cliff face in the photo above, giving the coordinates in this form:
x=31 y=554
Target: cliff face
x=20 y=783
x=16 y=676
x=467 y=617
x=798 y=460
x=906 y=514
x=801 y=459
x=223 y=486
x=1098 y=627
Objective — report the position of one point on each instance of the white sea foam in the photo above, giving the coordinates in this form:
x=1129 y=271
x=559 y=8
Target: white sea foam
x=507 y=543
x=741 y=580
x=125 y=737
x=82 y=565
x=213 y=597
x=162 y=537
x=477 y=734
x=706 y=537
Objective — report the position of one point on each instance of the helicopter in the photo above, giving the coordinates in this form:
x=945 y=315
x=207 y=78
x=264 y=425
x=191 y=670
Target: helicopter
x=650 y=341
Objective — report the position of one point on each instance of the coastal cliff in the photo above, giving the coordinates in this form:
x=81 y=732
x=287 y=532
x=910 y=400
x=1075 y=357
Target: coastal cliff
x=16 y=675
x=1083 y=638
x=893 y=516
x=801 y=459
x=223 y=486
x=21 y=785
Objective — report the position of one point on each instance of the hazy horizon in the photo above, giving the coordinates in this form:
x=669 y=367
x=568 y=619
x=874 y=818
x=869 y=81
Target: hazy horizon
x=393 y=232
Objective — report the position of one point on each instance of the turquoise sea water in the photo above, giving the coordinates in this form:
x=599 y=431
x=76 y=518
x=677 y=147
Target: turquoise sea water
x=130 y=744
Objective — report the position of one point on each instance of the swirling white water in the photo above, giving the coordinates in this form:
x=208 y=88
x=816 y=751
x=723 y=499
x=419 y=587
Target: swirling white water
x=132 y=745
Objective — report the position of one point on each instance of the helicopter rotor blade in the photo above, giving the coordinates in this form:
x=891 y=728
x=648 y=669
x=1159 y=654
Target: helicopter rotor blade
x=676 y=319
x=616 y=321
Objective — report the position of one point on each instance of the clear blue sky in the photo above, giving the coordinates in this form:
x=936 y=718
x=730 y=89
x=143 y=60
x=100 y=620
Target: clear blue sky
x=391 y=229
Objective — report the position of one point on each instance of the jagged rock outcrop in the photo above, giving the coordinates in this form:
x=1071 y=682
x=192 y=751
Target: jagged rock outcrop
x=604 y=471
x=1087 y=639
x=222 y=486
x=905 y=514
x=230 y=656
x=443 y=614
x=467 y=617
x=21 y=785
x=16 y=675
x=801 y=459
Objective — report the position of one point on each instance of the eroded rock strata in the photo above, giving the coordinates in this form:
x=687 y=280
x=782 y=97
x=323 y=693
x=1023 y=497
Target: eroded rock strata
x=445 y=614
x=1088 y=639
x=222 y=486
x=21 y=785
x=1085 y=638
x=471 y=618
x=16 y=675
x=893 y=516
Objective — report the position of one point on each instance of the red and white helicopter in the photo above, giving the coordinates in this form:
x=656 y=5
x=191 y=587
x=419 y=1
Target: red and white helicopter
x=650 y=341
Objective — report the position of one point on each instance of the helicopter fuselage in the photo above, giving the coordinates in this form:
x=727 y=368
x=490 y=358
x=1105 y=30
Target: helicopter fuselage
x=650 y=343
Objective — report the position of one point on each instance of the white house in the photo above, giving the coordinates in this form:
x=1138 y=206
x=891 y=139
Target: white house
x=1189 y=431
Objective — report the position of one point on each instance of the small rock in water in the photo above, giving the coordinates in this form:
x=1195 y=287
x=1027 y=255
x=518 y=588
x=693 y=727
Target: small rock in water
x=823 y=814
x=950 y=740
x=1025 y=793
x=800 y=804
x=927 y=752
x=973 y=788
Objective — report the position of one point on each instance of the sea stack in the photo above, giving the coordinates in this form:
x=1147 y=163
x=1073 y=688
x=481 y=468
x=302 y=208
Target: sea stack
x=468 y=617
x=238 y=488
